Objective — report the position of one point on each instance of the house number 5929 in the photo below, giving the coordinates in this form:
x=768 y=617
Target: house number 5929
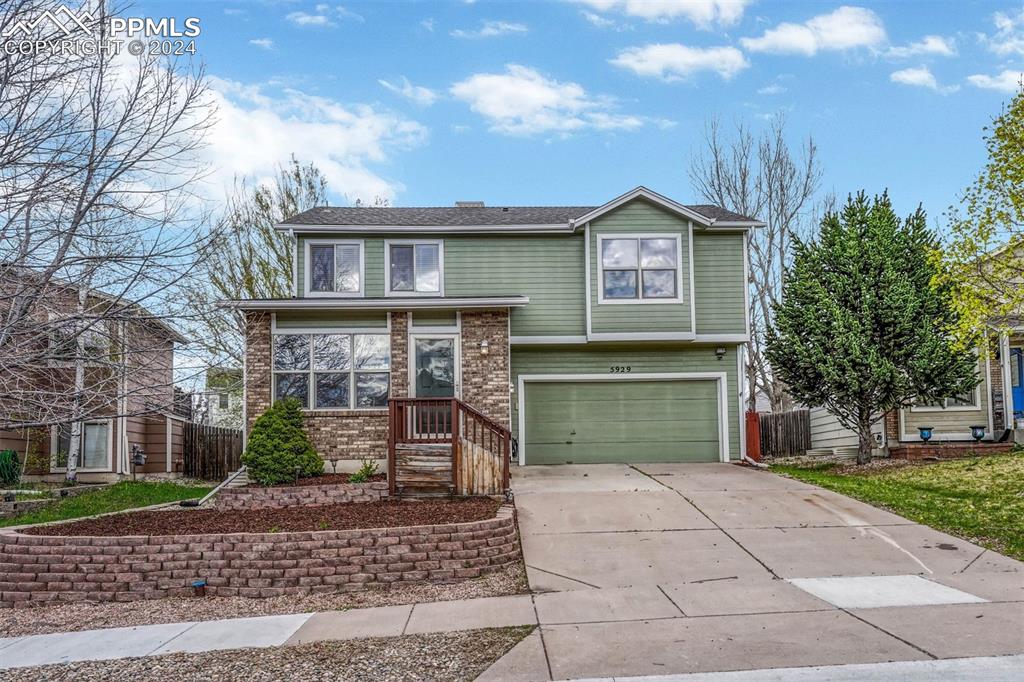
x=620 y=369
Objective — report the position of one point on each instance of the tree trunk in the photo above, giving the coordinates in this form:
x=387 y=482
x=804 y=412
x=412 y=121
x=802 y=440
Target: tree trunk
x=75 y=443
x=865 y=440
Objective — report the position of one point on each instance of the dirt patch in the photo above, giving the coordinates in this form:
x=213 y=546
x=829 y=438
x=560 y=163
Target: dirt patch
x=383 y=514
x=325 y=479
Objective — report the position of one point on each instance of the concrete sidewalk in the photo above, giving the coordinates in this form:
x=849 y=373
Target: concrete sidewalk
x=266 y=631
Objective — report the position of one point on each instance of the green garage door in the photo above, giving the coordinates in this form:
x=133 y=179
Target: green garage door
x=621 y=421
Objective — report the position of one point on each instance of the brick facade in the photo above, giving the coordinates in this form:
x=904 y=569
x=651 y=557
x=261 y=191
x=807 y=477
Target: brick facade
x=353 y=435
x=485 y=375
x=917 y=451
x=279 y=497
x=35 y=569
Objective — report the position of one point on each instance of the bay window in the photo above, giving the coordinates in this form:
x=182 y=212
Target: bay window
x=414 y=267
x=333 y=371
x=639 y=269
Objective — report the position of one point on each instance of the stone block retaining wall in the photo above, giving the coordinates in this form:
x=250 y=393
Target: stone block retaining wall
x=35 y=568
x=255 y=497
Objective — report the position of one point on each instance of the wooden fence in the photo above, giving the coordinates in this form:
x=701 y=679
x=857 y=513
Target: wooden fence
x=211 y=452
x=785 y=434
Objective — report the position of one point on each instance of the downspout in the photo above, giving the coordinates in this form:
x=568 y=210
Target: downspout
x=753 y=463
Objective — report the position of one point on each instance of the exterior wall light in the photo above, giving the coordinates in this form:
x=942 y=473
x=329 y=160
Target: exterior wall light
x=720 y=352
x=484 y=345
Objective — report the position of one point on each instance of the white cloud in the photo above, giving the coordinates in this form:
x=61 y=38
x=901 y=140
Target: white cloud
x=921 y=77
x=521 y=101
x=257 y=130
x=415 y=93
x=1009 y=36
x=703 y=13
x=233 y=12
x=306 y=19
x=673 y=61
x=1008 y=80
x=773 y=89
x=491 y=29
x=428 y=24
x=844 y=29
x=597 y=20
x=265 y=43
x=325 y=16
x=929 y=45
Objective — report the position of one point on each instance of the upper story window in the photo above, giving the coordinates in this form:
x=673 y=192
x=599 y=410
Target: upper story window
x=415 y=268
x=334 y=268
x=65 y=336
x=639 y=269
x=333 y=371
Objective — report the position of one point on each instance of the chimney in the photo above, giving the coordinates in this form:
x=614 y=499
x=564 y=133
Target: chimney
x=469 y=204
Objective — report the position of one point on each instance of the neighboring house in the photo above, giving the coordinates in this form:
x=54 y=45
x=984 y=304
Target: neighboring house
x=129 y=387
x=994 y=404
x=220 y=403
x=597 y=334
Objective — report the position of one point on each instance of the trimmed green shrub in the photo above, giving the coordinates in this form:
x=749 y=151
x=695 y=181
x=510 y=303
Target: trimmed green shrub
x=278 y=449
x=10 y=468
x=363 y=473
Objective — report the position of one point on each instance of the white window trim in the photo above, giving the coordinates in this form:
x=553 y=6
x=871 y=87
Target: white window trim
x=388 y=243
x=639 y=300
x=976 y=407
x=307 y=275
x=419 y=333
x=311 y=373
x=721 y=378
x=80 y=469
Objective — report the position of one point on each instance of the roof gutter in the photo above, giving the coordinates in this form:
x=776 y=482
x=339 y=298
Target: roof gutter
x=376 y=304
x=556 y=228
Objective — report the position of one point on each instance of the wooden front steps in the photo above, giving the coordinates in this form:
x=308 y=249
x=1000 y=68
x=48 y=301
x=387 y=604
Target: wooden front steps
x=423 y=470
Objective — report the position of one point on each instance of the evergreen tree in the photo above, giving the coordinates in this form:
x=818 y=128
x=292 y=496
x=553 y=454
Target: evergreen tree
x=861 y=330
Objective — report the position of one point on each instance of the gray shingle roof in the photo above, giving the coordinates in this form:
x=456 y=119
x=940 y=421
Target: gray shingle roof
x=466 y=216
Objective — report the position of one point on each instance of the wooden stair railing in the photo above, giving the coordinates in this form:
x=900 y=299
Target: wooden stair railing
x=444 y=446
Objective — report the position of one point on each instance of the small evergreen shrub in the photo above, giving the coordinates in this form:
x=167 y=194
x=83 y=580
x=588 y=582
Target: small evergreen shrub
x=10 y=468
x=278 y=449
x=363 y=473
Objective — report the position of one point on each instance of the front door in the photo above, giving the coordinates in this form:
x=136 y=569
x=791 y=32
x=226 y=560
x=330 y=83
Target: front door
x=435 y=366
x=435 y=374
x=1017 y=381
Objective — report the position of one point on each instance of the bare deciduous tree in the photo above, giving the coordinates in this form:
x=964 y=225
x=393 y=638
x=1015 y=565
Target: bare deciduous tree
x=98 y=153
x=247 y=258
x=766 y=178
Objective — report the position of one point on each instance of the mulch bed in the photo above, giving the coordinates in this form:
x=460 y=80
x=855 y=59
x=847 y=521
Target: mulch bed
x=325 y=479
x=383 y=514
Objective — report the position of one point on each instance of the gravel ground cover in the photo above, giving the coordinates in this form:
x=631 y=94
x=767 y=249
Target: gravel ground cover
x=65 y=617
x=323 y=479
x=383 y=514
x=447 y=656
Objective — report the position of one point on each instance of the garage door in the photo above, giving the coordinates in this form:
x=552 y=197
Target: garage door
x=621 y=421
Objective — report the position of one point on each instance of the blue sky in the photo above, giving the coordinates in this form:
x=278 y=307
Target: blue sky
x=575 y=102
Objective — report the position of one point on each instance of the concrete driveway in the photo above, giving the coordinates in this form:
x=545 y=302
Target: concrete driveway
x=679 y=568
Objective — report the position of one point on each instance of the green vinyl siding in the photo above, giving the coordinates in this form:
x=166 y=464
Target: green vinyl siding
x=718 y=278
x=621 y=421
x=640 y=217
x=548 y=269
x=332 y=319
x=434 y=318
x=647 y=358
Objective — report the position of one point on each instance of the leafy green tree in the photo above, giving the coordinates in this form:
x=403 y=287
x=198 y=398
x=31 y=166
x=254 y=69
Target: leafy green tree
x=278 y=449
x=861 y=330
x=983 y=262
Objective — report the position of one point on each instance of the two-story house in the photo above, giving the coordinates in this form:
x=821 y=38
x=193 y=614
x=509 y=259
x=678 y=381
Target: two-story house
x=127 y=397
x=612 y=333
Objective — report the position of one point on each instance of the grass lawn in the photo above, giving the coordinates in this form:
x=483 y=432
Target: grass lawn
x=124 y=495
x=980 y=499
